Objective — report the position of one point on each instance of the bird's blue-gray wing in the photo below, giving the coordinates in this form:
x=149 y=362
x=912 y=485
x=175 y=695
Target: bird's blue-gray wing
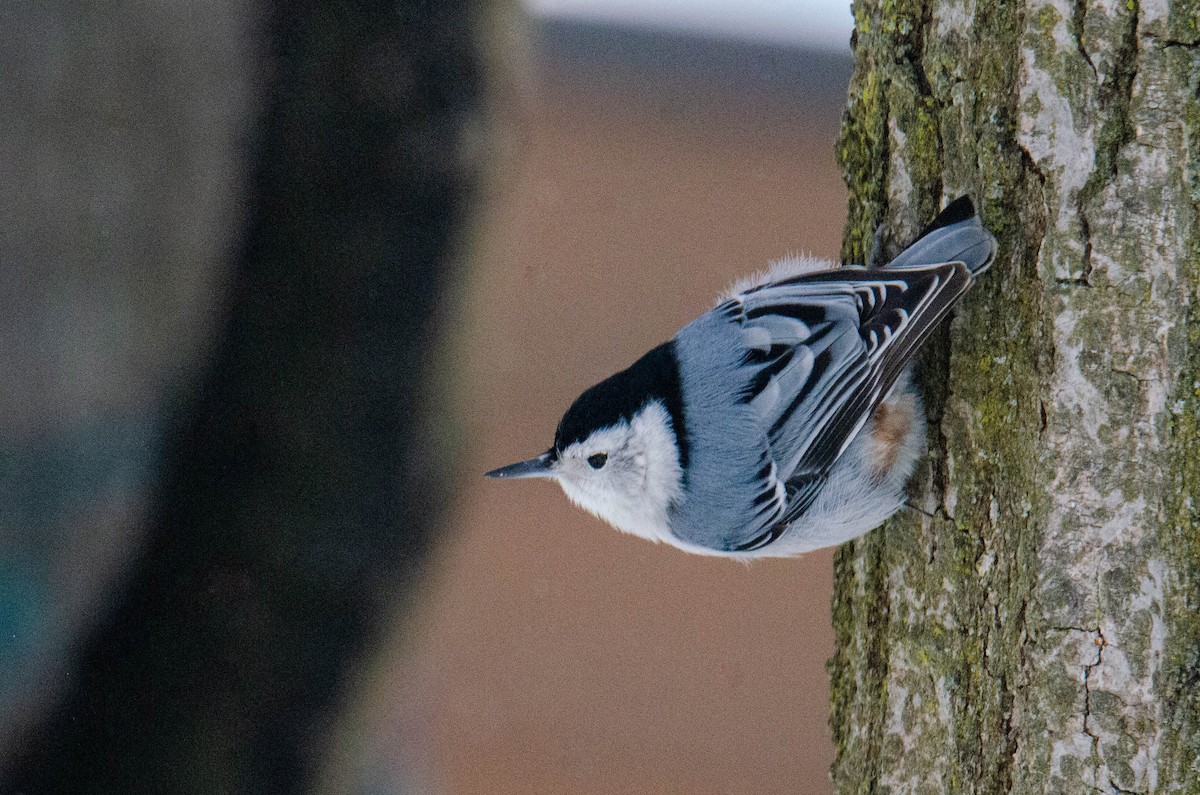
x=788 y=373
x=814 y=356
x=827 y=347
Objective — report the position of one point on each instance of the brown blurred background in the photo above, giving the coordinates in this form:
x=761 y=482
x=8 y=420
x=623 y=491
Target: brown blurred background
x=640 y=174
x=556 y=655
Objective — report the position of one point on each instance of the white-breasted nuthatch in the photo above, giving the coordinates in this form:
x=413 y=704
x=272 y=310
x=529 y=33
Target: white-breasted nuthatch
x=781 y=421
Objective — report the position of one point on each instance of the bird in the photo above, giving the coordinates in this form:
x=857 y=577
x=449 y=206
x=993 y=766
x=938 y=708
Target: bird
x=785 y=419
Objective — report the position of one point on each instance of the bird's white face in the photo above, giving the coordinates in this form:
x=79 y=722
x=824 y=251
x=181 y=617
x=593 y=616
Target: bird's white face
x=627 y=474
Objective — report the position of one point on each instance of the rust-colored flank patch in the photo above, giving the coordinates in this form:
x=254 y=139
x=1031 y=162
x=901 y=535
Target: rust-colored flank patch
x=891 y=422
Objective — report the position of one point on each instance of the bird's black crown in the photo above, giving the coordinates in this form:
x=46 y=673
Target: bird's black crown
x=655 y=376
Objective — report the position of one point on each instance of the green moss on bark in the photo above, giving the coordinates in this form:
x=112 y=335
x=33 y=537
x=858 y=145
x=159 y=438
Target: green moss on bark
x=960 y=639
x=970 y=655
x=1180 y=689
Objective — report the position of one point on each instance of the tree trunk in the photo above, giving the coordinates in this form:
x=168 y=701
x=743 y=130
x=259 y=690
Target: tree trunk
x=304 y=478
x=1040 y=632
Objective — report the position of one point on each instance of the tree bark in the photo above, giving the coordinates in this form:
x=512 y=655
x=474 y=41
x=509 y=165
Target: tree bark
x=1040 y=632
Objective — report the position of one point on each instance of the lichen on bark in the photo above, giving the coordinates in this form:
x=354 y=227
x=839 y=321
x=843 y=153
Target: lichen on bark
x=1038 y=632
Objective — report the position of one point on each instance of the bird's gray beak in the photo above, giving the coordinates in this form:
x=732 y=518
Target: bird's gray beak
x=540 y=467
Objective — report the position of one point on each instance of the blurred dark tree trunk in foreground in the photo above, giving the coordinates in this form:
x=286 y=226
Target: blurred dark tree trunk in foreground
x=1040 y=632
x=306 y=468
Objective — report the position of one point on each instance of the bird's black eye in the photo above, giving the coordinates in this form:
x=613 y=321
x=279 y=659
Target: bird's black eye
x=598 y=460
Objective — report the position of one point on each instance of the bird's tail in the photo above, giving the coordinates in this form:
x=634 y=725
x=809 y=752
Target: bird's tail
x=956 y=235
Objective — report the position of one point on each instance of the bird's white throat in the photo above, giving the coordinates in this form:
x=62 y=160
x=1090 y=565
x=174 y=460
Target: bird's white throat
x=635 y=490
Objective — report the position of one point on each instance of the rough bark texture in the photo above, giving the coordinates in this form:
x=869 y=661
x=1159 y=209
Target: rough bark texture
x=1041 y=632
